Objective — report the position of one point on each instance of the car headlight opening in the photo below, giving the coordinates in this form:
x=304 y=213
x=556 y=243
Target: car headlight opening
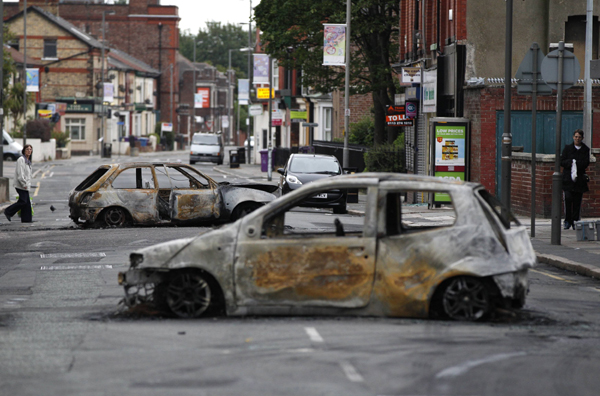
x=292 y=179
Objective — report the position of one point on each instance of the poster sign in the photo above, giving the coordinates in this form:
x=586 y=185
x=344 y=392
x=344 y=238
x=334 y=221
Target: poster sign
x=32 y=80
x=411 y=109
x=396 y=116
x=255 y=110
x=202 y=98
x=109 y=92
x=261 y=69
x=166 y=127
x=224 y=121
x=411 y=75
x=298 y=116
x=276 y=117
x=450 y=154
x=243 y=91
x=429 y=91
x=334 y=44
x=263 y=93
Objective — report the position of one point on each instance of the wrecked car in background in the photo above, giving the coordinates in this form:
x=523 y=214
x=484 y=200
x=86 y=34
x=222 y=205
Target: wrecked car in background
x=161 y=193
x=283 y=259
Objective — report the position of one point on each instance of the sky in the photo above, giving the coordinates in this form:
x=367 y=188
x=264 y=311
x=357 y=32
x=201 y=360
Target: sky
x=195 y=13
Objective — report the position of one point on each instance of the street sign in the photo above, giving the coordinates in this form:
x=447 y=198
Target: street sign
x=571 y=69
x=255 y=110
x=525 y=75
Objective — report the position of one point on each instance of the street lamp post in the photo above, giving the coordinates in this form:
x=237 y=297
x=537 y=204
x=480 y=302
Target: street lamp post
x=102 y=115
x=24 y=73
x=346 y=152
x=229 y=92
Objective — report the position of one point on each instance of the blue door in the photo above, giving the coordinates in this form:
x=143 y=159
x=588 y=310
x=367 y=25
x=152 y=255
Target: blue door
x=545 y=133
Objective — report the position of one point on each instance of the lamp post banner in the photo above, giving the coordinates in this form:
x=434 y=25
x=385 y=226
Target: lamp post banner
x=109 y=92
x=261 y=69
x=243 y=91
x=334 y=45
x=33 y=80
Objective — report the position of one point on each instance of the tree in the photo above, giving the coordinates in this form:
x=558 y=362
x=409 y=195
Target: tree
x=296 y=26
x=214 y=44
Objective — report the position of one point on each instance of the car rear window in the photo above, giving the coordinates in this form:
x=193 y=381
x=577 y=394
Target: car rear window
x=315 y=165
x=206 y=140
x=91 y=179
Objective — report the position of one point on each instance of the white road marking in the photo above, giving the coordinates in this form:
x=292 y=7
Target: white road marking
x=71 y=255
x=455 y=371
x=313 y=334
x=351 y=372
x=74 y=267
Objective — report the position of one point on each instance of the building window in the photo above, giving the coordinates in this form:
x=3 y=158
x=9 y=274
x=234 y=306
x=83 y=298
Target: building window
x=75 y=127
x=50 y=49
x=275 y=75
x=327 y=121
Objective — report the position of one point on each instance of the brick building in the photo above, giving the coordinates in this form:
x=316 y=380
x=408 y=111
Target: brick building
x=143 y=29
x=460 y=45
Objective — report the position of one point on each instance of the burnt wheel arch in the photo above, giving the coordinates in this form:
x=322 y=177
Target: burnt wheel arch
x=464 y=298
x=243 y=209
x=115 y=216
x=164 y=293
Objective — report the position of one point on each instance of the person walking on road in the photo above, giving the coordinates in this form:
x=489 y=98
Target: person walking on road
x=575 y=159
x=23 y=186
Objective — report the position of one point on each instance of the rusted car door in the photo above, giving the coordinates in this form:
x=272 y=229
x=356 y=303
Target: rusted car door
x=134 y=189
x=192 y=196
x=308 y=269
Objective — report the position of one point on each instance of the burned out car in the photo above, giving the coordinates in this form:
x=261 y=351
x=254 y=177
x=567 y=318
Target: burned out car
x=161 y=193
x=288 y=260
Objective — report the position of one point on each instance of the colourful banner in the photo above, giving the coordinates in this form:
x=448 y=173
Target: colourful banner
x=202 y=98
x=334 y=45
x=33 y=80
x=109 y=92
x=261 y=69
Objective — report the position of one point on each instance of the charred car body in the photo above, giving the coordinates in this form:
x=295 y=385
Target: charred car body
x=161 y=193
x=463 y=265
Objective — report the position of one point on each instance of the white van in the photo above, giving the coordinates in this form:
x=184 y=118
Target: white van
x=206 y=147
x=12 y=150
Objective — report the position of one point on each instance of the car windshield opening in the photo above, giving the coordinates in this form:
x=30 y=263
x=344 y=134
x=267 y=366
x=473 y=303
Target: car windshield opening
x=315 y=165
x=501 y=211
x=206 y=140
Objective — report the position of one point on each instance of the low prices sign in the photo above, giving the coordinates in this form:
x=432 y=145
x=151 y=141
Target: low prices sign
x=396 y=116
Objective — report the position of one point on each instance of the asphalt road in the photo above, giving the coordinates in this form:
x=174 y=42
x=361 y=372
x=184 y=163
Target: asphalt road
x=63 y=332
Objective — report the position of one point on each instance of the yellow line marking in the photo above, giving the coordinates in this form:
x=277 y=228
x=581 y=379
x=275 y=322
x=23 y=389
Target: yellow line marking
x=37 y=190
x=552 y=276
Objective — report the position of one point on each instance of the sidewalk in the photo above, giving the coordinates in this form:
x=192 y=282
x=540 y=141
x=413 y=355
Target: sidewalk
x=582 y=257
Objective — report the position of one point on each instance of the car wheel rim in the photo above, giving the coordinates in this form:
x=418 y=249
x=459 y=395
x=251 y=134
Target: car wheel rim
x=115 y=217
x=466 y=299
x=188 y=295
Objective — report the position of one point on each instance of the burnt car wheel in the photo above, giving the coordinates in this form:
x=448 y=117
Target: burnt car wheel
x=340 y=209
x=115 y=217
x=466 y=298
x=188 y=294
x=243 y=209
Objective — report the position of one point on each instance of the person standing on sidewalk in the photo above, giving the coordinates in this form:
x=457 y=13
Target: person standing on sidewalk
x=23 y=186
x=575 y=159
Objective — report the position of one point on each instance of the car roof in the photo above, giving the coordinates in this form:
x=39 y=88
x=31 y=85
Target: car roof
x=314 y=156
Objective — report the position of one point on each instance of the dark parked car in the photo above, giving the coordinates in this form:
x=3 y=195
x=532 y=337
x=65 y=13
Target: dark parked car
x=305 y=168
x=161 y=193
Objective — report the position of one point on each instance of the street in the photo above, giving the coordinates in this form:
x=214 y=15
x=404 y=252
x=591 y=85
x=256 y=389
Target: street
x=63 y=331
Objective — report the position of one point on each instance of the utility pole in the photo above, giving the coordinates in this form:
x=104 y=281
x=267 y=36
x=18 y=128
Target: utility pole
x=103 y=111
x=24 y=72
x=507 y=136
x=587 y=100
x=250 y=51
x=346 y=152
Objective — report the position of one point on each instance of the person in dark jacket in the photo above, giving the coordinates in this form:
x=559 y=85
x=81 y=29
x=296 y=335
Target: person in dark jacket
x=574 y=184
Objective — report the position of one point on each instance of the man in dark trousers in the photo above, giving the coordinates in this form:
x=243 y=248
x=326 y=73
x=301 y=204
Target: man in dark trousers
x=575 y=181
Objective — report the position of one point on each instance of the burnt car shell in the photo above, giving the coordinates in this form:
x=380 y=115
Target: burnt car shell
x=161 y=193
x=253 y=267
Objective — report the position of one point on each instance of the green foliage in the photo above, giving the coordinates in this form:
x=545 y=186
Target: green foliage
x=13 y=103
x=39 y=129
x=385 y=158
x=169 y=138
x=295 y=39
x=62 y=138
x=214 y=44
x=362 y=132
